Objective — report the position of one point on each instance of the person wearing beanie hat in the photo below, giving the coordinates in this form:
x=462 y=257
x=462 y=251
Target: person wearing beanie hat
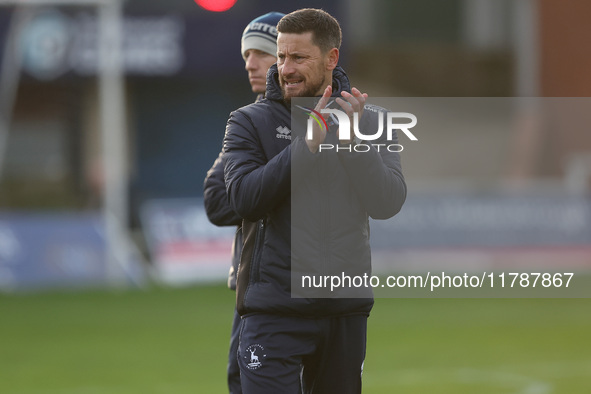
x=259 y=51
x=259 y=48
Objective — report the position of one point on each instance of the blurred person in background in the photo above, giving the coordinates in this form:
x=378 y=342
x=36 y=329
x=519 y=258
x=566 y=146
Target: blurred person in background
x=259 y=51
x=294 y=345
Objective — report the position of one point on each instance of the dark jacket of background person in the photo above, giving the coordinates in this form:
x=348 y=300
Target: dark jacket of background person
x=259 y=181
x=219 y=211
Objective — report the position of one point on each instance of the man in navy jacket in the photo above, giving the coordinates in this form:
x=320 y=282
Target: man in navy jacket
x=259 y=51
x=305 y=344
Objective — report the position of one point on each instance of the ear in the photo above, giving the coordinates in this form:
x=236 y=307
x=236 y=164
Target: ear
x=332 y=59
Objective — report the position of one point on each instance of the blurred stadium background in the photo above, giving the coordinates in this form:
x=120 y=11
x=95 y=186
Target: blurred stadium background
x=103 y=155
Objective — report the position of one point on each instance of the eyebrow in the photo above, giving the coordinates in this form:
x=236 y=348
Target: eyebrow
x=302 y=54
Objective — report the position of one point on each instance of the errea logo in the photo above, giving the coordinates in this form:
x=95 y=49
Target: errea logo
x=264 y=27
x=283 y=132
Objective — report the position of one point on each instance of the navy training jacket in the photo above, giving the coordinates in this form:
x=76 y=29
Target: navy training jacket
x=330 y=196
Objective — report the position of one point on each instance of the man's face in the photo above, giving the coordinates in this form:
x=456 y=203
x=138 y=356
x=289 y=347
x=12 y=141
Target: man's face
x=302 y=66
x=257 y=64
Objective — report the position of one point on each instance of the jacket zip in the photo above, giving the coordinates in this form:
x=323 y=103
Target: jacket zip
x=258 y=249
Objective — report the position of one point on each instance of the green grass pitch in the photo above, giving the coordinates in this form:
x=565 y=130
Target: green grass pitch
x=175 y=341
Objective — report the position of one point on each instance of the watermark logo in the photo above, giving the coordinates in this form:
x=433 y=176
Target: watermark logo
x=391 y=120
x=316 y=116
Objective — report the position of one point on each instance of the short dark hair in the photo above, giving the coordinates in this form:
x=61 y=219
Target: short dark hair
x=326 y=31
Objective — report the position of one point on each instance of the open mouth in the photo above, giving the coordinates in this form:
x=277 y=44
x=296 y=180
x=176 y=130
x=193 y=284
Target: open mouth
x=291 y=84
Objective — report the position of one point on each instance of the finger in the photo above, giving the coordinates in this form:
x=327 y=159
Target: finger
x=361 y=97
x=354 y=101
x=324 y=99
x=346 y=106
x=356 y=92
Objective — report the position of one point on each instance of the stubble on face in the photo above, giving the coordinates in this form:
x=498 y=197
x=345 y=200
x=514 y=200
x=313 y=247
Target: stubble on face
x=302 y=66
x=311 y=88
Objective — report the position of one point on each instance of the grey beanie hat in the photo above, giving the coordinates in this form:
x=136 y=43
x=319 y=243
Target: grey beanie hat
x=261 y=34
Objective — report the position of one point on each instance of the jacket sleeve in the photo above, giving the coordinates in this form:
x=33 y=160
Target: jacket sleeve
x=377 y=178
x=255 y=184
x=215 y=198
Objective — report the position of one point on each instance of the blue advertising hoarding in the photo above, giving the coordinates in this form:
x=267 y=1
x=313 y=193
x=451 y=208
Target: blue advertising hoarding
x=61 y=250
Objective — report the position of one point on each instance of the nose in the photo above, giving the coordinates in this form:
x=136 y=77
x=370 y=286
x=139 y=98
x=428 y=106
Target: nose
x=287 y=68
x=251 y=63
